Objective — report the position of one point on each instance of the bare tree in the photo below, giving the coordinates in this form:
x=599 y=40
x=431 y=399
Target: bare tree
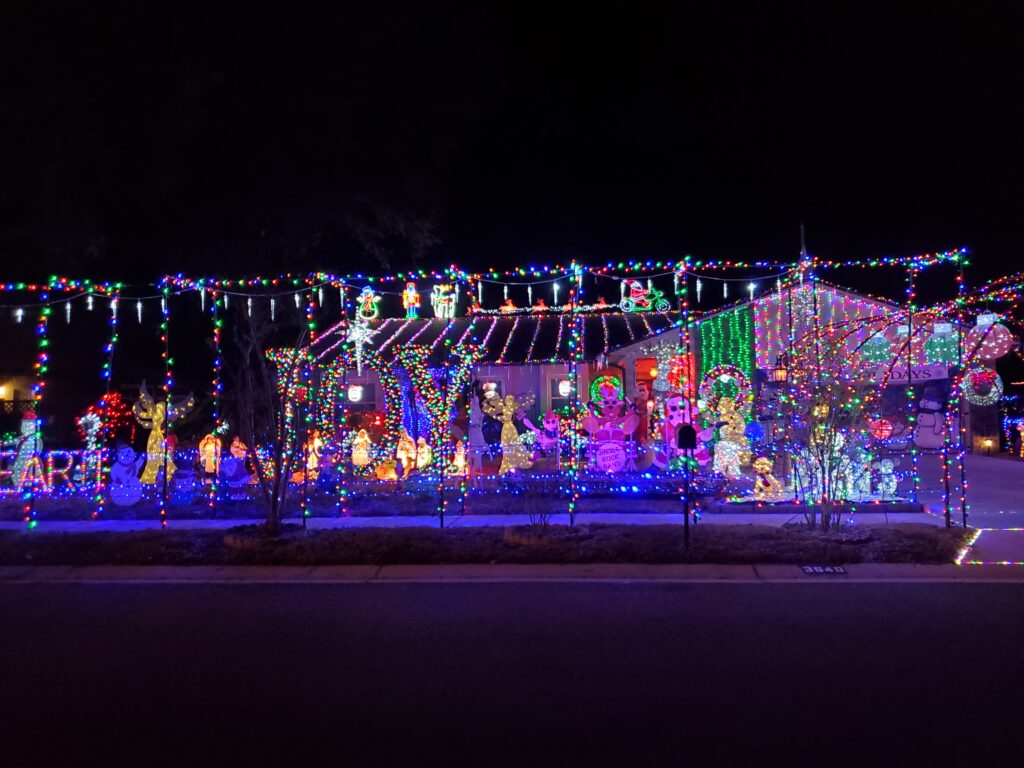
x=262 y=389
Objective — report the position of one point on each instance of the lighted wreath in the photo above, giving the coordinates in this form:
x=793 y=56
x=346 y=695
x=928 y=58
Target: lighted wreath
x=982 y=386
x=726 y=374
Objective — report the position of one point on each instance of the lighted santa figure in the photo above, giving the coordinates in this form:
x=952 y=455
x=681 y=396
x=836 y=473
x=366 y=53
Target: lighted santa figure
x=678 y=412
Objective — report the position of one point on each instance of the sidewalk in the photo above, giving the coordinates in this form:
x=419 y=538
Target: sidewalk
x=465 y=521
x=594 y=572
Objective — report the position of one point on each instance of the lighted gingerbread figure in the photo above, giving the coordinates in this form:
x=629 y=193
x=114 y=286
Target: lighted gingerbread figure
x=513 y=454
x=152 y=415
x=766 y=486
x=411 y=301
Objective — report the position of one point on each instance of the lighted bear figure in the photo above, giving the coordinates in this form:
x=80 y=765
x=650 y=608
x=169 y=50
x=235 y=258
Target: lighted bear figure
x=766 y=486
x=731 y=448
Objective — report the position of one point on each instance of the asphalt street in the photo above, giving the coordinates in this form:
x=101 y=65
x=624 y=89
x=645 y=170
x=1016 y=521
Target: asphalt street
x=511 y=674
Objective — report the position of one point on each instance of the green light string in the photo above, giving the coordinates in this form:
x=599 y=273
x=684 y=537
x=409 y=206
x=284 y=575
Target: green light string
x=911 y=392
x=309 y=412
x=106 y=374
x=165 y=321
x=38 y=389
x=217 y=386
x=343 y=450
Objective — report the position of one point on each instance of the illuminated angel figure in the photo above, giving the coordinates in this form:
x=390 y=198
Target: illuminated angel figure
x=152 y=415
x=514 y=455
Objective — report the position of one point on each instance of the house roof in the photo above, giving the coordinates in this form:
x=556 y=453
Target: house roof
x=519 y=339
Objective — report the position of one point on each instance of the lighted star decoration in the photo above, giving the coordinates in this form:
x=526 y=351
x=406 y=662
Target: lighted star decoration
x=359 y=334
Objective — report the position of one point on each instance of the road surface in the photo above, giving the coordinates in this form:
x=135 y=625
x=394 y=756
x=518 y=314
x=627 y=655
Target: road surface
x=512 y=674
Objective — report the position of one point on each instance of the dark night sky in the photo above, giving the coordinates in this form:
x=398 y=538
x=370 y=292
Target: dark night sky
x=139 y=139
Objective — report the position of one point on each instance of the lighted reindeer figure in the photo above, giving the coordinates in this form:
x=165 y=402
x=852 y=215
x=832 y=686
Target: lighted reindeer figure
x=152 y=415
x=513 y=454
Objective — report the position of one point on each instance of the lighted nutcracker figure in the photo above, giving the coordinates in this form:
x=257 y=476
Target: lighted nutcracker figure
x=411 y=301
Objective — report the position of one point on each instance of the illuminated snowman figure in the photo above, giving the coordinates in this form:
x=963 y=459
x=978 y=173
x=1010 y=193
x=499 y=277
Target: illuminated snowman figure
x=28 y=469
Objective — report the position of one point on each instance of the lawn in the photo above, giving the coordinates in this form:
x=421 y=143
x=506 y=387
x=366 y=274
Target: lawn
x=901 y=543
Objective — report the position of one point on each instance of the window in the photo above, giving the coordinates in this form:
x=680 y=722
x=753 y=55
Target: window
x=559 y=391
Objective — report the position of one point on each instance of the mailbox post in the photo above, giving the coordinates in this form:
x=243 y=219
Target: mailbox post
x=686 y=441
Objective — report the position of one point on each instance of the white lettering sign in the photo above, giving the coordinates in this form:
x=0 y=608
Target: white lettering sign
x=918 y=373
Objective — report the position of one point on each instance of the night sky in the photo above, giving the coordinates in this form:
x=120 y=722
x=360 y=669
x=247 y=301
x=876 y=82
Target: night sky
x=141 y=139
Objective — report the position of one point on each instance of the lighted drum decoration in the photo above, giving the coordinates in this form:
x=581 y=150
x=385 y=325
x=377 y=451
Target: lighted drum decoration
x=610 y=456
x=982 y=386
